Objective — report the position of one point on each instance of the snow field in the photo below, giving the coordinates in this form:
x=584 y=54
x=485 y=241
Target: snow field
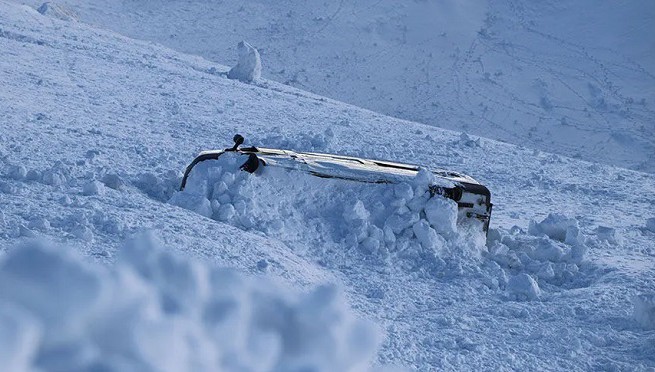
x=571 y=77
x=98 y=103
x=154 y=310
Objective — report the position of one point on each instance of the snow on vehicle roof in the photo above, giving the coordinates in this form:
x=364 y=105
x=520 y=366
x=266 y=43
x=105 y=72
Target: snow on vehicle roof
x=369 y=170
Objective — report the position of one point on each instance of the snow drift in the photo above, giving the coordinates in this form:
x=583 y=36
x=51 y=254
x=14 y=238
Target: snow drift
x=334 y=219
x=395 y=225
x=153 y=310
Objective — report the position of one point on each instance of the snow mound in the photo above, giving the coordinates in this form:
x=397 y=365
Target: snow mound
x=335 y=219
x=549 y=254
x=644 y=311
x=249 y=67
x=153 y=310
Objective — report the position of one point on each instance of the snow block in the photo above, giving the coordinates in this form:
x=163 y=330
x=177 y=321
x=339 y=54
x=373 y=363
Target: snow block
x=442 y=215
x=557 y=227
x=249 y=67
x=113 y=181
x=523 y=287
x=93 y=188
x=426 y=235
x=644 y=311
x=17 y=172
x=607 y=234
x=650 y=224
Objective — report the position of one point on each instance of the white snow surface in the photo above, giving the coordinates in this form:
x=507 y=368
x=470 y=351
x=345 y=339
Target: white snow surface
x=155 y=311
x=96 y=129
x=573 y=77
x=249 y=67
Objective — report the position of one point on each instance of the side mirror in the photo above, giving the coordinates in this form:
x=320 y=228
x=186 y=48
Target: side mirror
x=238 y=140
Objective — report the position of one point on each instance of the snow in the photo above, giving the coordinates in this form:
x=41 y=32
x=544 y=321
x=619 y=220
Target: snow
x=650 y=224
x=557 y=227
x=329 y=213
x=86 y=106
x=54 y=10
x=644 y=311
x=572 y=77
x=156 y=310
x=523 y=287
x=249 y=67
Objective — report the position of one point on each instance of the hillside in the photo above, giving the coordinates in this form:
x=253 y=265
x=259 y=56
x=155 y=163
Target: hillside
x=576 y=78
x=97 y=127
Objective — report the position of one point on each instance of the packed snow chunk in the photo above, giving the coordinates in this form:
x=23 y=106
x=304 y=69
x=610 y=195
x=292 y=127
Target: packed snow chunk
x=442 y=215
x=650 y=224
x=53 y=177
x=39 y=224
x=113 y=181
x=548 y=250
x=25 y=232
x=523 y=287
x=17 y=172
x=403 y=191
x=82 y=232
x=7 y=188
x=606 y=234
x=466 y=140
x=249 y=67
x=399 y=222
x=423 y=180
x=428 y=237
x=33 y=175
x=57 y=11
x=370 y=245
x=225 y=212
x=356 y=212
x=93 y=188
x=557 y=227
x=193 y=202
x=644 y=312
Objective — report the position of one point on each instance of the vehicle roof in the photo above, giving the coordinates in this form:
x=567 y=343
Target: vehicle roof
x=333 y=164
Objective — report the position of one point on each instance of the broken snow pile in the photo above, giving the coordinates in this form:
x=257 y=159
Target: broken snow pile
x=550 y=254
x=156 y=311
x=337 y=219
x=399 y=226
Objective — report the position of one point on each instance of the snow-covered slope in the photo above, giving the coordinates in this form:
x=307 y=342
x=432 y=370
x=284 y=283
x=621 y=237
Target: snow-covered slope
x=571 y=77
x=96 y=128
